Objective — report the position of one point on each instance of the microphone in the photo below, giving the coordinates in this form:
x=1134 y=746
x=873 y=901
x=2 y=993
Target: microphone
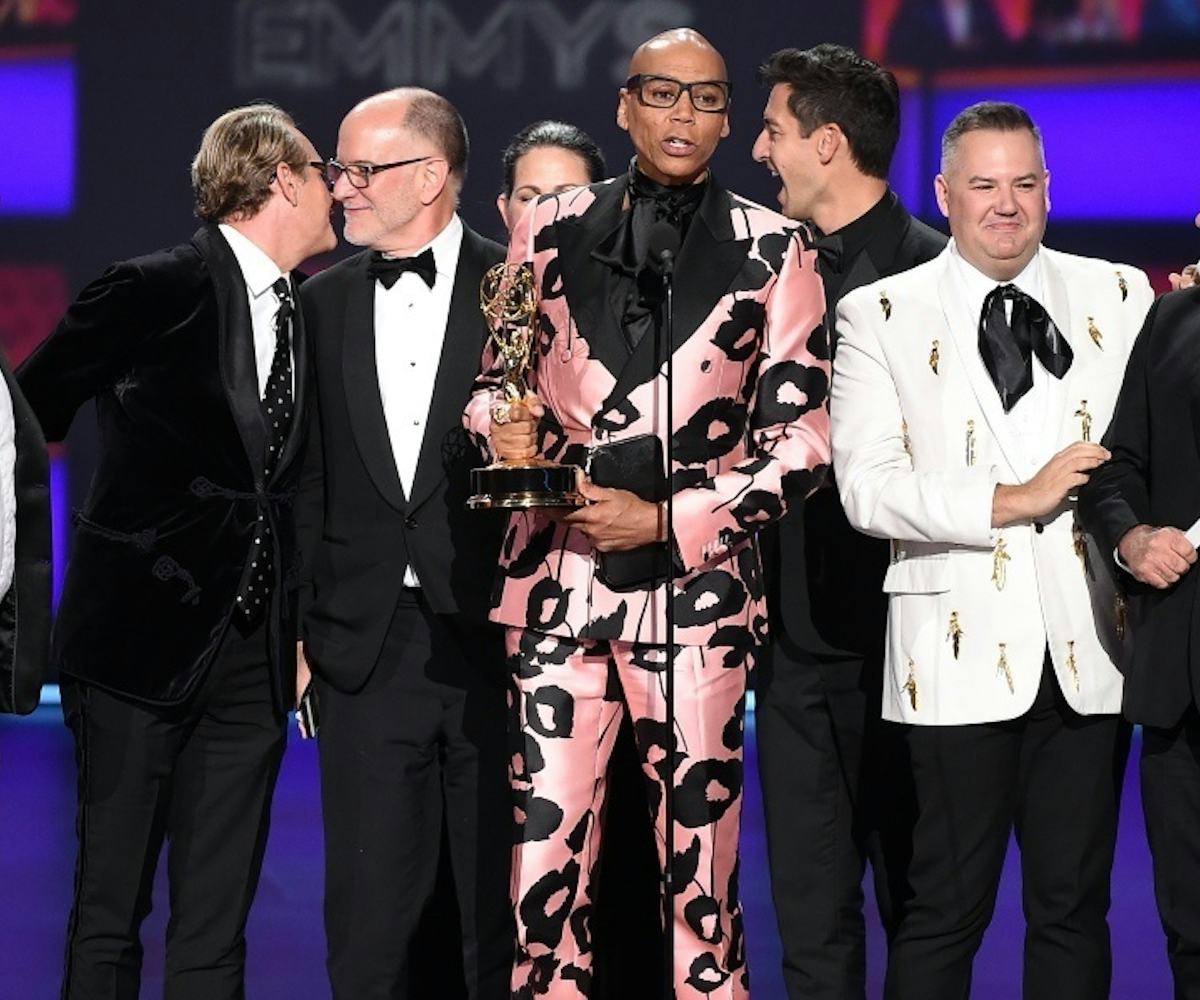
x=662 y=246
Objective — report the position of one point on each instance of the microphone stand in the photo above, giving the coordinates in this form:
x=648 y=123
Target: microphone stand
x=663 y=243
x=667 y=259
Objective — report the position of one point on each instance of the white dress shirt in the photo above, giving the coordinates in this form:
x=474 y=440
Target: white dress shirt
x=410 y=326
x=1027 y=419
x=8 y=491
x=259 y=273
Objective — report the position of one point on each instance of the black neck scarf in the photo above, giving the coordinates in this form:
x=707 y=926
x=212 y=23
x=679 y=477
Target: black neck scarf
x=1007 y=346
x=637 y=291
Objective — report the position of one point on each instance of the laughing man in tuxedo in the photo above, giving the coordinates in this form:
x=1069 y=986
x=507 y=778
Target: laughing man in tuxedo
x=829 y=130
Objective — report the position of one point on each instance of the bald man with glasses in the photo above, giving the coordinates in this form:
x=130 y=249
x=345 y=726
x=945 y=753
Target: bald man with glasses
x=409 y=673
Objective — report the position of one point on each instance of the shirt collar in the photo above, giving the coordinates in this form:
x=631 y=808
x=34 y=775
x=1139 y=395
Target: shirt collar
x=445 y=246
x=258 y=270
x=978 y=285
x=856 y=235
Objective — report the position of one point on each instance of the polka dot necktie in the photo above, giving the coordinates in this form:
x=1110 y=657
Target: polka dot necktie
x=277 y=412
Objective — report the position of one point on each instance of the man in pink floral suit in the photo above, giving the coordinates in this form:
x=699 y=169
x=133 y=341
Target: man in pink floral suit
x=584 y=594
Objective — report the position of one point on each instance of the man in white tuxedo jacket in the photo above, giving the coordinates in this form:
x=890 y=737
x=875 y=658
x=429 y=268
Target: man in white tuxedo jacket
x=967 y=398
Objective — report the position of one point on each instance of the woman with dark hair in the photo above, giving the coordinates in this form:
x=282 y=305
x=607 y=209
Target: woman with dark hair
x=545 y=158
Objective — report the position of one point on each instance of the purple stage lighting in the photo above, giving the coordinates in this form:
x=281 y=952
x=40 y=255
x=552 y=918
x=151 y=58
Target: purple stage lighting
x=37 y=135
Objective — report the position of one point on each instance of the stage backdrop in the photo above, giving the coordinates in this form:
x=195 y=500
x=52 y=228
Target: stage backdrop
x=102 y=106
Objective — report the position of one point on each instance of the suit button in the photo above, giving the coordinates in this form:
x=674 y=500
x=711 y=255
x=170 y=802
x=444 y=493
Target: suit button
x=1038 y=527
x=410 y=523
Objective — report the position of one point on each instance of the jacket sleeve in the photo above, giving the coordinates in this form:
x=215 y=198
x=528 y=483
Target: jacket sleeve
x=881 y=491
x=88 y=349
x=1116 y=497
x=787 y=424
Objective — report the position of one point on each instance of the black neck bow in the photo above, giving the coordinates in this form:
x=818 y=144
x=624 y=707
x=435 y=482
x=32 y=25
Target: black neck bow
x=387 y=270
x=1007 y=346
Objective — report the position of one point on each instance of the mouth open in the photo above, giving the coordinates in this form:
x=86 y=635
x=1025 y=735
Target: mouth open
x=678 y=146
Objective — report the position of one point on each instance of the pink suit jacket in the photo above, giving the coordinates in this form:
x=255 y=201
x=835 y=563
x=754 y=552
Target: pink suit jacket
x=751 y=369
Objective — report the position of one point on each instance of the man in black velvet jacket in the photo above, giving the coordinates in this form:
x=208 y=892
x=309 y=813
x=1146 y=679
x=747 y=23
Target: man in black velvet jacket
x=176 y=634
x=830 y=128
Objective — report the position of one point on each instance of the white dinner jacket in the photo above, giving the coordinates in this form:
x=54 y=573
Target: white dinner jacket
x=919 y=444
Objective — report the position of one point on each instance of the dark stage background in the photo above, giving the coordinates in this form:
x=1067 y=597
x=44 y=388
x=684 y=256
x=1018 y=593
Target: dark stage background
x=101 y=109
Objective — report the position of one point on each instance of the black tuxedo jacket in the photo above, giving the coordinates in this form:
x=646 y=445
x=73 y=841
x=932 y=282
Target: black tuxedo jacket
x=1153 y=478
x=824 y=578
x=365 y=531
x=164 y=345
x=25 y=609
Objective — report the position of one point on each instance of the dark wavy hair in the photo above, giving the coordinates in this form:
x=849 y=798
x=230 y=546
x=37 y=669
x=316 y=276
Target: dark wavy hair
x=834 y=84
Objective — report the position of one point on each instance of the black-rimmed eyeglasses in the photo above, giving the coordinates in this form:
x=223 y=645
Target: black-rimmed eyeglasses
x=320 y=165
x=664 y=92
x=359 y=174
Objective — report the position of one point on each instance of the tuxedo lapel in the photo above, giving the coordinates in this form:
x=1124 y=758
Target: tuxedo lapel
x=235 y=334
x=709 y=260
x=862 y=272
x=462 y=348
x=583 y=278
x=361 y=379
x=963 y=330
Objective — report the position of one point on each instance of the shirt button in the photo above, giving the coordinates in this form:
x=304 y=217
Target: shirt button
x=1038 y=527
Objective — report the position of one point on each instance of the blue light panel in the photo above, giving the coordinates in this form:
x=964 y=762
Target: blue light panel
x=1124 y=149
x=37 y=137
x=908 y=176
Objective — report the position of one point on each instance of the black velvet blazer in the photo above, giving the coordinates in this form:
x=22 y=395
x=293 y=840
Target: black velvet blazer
x=164 y=345
x=365 y=530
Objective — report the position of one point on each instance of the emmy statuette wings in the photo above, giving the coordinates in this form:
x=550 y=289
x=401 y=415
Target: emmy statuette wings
x=508 y=296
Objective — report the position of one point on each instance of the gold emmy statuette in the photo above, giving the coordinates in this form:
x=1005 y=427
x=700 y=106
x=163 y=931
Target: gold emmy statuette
x=508 y=296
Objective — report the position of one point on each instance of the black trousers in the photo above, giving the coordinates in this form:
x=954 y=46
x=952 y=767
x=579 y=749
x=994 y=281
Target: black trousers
x=1055 y=777
x=424 y=740
x=1171 y=802
x=200 y=775
x=829 y=807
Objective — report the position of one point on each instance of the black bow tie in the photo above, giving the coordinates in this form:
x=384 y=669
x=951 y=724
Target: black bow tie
x=387 y=270
x=829 y=252
x=1007 y=346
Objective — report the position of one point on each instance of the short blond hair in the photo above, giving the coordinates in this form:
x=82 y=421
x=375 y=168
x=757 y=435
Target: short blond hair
x=232 y=171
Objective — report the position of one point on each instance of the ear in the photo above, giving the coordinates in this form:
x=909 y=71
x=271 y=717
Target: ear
x=622 y=115
x=288 y=184
x=435 y=175
x=942 y=191
x=832 y=139
x=1047 y=190
x=502 y=208
x=725 y=126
